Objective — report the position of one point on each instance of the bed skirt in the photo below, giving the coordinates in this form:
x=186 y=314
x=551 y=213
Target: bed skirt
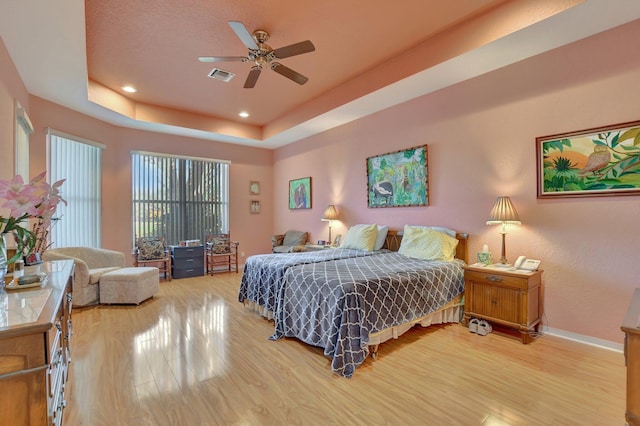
x=262 y=310
x=449 y=313
x=452 y=312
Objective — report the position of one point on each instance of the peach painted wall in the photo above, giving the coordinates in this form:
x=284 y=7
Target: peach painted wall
x=253 y=231
x=481 y=141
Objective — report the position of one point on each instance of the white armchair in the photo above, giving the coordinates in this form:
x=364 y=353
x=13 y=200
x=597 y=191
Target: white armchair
x=91 y=264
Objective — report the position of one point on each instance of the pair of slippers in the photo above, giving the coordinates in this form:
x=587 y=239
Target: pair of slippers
x=480 y=327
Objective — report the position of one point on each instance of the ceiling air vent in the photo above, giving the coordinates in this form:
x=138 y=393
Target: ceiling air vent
x=219 y=74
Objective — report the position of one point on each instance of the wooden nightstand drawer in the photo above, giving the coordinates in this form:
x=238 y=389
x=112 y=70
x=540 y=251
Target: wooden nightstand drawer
x=497 y=278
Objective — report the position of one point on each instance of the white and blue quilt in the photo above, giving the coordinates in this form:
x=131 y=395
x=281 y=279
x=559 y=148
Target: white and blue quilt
x=336 y=305
x=263 y=273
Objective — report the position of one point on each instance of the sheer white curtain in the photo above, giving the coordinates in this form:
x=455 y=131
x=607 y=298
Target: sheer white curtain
x=79 y=162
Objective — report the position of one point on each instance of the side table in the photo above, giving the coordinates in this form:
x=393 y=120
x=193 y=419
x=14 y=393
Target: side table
x=504 y=296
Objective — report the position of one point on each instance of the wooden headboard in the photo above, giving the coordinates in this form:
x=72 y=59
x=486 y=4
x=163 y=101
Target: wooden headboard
x=394 y=238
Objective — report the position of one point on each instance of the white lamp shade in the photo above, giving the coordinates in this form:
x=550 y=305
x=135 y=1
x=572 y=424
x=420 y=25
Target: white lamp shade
x=330 y=213
x=503 y=212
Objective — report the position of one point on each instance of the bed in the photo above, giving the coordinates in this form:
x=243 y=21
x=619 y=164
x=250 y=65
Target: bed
x=263 y=273
x=349 y=306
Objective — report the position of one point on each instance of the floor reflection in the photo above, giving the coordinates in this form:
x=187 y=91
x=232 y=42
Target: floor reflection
x=190 y=342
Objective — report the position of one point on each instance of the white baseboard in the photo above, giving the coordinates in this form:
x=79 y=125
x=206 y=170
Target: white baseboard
x=581 y=338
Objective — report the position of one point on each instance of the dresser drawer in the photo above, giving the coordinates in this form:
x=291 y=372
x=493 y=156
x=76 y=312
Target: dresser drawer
x=179 y=252
x=188 y=262
x=188 y=273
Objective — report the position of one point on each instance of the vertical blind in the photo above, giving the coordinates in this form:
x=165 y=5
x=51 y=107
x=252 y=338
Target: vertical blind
x=178 y=198
x=79 y=162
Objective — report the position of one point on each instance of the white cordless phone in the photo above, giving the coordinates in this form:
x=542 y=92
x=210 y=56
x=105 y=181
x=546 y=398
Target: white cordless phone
x=527 y=264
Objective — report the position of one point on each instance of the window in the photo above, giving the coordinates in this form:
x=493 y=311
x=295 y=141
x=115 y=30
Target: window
x=23 y=129
x=179 y=198
x=79 y=162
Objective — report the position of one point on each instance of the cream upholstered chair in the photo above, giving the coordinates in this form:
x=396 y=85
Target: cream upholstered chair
x=90 y=265
x=151 y=251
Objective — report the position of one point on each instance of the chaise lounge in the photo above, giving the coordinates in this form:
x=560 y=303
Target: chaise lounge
x=90 y=265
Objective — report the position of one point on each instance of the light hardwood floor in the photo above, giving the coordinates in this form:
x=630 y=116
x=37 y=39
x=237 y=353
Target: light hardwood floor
x=194 y=355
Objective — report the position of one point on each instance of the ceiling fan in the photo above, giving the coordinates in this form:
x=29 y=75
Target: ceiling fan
x=263 y=55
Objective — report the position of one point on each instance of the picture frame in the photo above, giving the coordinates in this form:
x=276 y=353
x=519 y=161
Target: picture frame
x=254 y=187
x=300 y=193
x=601 y=161
x=254 y=206
x=398 y=178
x=32 y=259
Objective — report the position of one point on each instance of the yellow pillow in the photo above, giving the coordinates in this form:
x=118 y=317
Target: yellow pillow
x=360 y=237
x=427 y=244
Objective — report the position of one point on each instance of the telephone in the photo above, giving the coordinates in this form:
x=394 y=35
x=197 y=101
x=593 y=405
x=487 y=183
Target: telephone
x=528 y=264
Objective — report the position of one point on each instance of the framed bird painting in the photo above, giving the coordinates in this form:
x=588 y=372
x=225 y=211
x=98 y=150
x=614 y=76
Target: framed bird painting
x=398 y=179
x=594 y=162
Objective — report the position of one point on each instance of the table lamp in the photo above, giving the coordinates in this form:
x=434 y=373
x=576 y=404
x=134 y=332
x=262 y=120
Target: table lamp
x=503 y=213
x=330 y=214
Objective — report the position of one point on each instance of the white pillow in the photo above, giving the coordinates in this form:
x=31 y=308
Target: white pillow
x=382 y=235
x=360 y=237
x=422 y=242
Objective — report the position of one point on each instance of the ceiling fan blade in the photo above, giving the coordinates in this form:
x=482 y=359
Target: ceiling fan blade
x=289 y=73
x=294 y=49
x=252 y=78
x=243 y=34
x=223 y=59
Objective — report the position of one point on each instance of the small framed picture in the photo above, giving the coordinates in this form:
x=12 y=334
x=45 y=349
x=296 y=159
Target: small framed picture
x=254 y=206
x=300 y=193
x=32 y=259
x=254 y=187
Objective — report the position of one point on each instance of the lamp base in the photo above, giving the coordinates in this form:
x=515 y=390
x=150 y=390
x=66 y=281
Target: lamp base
x=502 y=265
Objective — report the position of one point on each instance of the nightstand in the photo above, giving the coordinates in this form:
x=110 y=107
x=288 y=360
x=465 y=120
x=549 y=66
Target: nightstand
x=316 y=247
x=503 y=296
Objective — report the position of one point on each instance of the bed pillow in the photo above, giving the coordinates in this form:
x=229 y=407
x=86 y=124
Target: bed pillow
x=448 y=231
x=428 y=244
x=382 y=235
x=360 y=237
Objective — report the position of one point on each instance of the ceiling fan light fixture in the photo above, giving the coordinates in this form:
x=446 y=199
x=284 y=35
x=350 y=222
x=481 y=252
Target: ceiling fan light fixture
x=262 y=55
x=244 y=114
x=221 y=75
x=129 y=89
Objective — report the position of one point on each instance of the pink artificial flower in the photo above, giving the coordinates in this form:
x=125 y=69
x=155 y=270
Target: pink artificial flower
x=37 y=199
x=25 y=201
x=7 y=187
x=39 y=178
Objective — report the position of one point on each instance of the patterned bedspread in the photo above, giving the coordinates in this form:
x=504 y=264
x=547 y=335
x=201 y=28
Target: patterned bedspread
x=336 y=305
x=263 y=273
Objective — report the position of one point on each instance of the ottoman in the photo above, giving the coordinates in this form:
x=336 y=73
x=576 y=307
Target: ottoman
x=129 y=285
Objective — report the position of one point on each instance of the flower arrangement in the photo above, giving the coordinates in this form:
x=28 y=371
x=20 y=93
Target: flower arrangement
x=34 y=200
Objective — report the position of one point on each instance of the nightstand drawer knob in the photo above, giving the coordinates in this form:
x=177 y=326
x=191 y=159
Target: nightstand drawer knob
x=493 y=278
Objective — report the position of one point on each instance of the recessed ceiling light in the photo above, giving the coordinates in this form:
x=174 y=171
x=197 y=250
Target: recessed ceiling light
x=244 y=114
x=129 y=89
